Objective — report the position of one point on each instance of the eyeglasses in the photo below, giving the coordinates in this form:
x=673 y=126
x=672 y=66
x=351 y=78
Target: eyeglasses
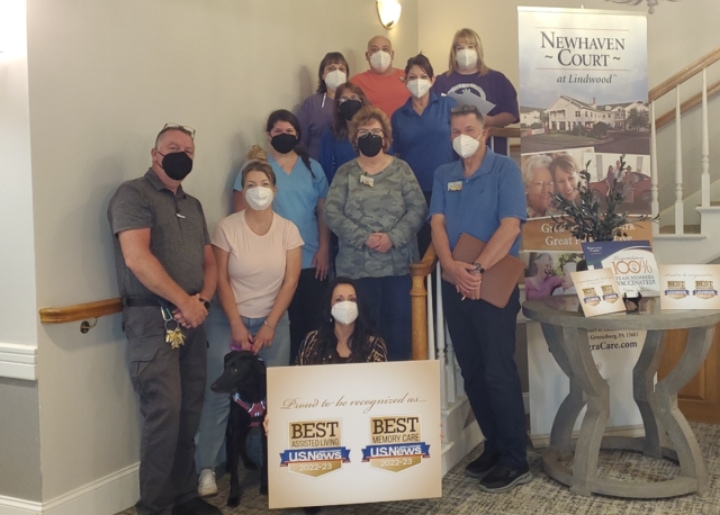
x=365 y=132
x=177 y=127
x=543 y=185
x=345 y=99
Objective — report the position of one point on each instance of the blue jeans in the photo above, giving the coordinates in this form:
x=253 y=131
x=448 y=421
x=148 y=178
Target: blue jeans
x=213 y=419
x=388 y=302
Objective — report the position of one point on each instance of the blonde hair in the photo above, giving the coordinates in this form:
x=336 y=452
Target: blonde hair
x=363 y=117
x=257 y=161
x=471 y=37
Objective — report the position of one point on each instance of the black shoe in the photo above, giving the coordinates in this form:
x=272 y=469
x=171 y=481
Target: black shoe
x=503 y=478
x=196 y=506
x=479 y=468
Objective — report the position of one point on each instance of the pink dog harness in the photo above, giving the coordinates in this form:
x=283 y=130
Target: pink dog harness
x=256 y=410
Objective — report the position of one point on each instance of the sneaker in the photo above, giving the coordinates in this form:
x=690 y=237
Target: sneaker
x=503 y=478
x=206 y=483
x=479 y=468
x=196 y=506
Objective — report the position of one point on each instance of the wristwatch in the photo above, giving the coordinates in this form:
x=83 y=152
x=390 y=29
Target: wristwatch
x=479 y=268
x=205 y=303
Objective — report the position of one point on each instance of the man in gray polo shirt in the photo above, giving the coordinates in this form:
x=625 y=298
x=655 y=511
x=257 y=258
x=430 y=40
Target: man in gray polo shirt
x=165 y=271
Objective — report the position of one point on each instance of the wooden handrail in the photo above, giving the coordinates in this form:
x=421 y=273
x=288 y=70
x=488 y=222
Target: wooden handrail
x=418 y=300
x=80 y=311
x=690 y=103
x=686 y=73
x=504 y=132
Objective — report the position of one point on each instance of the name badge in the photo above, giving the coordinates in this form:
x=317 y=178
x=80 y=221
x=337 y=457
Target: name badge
x=367 y=181
x=455 y=186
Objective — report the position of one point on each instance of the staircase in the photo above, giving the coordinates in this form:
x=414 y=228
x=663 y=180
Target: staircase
x=689 y=225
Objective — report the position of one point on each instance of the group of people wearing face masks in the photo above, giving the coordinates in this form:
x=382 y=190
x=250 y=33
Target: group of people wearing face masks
x=356 y=166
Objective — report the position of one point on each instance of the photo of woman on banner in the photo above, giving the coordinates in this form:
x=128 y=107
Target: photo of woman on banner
x=540 y=279
x=564 y=170
x=539 y=185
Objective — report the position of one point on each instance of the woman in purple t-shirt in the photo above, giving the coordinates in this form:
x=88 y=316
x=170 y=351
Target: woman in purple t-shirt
x=469 y=81
x=316 y=112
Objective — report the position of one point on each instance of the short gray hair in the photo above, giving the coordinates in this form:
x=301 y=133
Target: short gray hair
x=533 y=162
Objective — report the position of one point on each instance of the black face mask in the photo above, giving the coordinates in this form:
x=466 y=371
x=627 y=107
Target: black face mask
x=349 y=108
x=177 y=165
x=370 y=144
x=284 y=143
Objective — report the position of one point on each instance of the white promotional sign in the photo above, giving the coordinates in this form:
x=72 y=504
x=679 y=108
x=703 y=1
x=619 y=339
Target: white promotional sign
x=354 y=433
x=689 y=286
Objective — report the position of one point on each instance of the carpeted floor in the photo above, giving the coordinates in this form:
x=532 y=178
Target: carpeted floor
x=542 y=496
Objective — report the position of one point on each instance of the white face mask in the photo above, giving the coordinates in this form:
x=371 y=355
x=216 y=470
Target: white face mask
x=465 y=145
x=334 y=78
x=345 y=311
x=259 y=197
x=466 y=58
x=418 y=87
x=380 y=61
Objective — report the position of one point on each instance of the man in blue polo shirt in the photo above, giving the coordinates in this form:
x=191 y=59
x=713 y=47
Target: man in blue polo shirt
x=483 y=195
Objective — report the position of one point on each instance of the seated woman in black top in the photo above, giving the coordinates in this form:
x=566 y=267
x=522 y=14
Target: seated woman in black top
x=344 y=335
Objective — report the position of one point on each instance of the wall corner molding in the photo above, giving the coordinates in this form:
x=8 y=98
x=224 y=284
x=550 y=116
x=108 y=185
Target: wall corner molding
x=18 y=361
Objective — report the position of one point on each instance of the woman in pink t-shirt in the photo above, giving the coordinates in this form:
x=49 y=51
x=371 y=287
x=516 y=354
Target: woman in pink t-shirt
x=259 y=255
x=259 y=258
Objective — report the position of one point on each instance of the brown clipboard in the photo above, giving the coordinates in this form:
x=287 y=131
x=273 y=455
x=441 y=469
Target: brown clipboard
x=499 y=281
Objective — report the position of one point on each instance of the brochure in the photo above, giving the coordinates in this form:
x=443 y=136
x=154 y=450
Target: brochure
x=598 y=292
x=632 y=262
x=689 y=286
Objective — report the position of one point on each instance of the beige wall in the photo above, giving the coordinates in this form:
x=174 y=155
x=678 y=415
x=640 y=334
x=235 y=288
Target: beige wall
x=104 y=77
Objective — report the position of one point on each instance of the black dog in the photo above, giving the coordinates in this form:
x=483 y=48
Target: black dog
x=244 y=379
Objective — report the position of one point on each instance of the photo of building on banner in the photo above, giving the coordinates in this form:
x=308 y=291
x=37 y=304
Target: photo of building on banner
x=584 y=106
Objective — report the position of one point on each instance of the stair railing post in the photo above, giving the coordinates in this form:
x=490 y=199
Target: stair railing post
x=441 y=342
x=679 y=207
x=655 y=205
x=705 y=182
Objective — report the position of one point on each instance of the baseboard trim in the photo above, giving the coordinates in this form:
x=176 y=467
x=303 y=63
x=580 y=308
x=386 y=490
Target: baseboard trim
x=13 y=506
x=106 y=496
x=542 y=441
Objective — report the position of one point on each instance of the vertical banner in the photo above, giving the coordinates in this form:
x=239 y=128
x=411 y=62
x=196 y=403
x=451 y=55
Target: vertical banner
x=584 y=105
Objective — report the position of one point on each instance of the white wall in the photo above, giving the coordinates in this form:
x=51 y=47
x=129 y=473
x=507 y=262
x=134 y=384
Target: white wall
x=17 y=275
x=104 y=78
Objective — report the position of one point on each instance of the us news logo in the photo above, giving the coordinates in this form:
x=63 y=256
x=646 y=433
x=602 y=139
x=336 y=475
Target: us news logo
x=396 y=443
x=315 y=448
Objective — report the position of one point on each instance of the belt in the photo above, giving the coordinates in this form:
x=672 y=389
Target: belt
x=147 y=302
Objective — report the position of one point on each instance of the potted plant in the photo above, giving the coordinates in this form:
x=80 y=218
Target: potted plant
x=591 y=216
